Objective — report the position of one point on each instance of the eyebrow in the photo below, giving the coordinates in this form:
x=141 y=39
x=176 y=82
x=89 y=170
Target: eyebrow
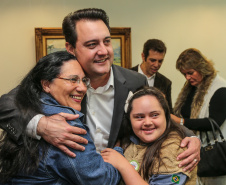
x=90 y=41
x=95 y=40
x=137 y=113
x=154 y=111
x=156 y=59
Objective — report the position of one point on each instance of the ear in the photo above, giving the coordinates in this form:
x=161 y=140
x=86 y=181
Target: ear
x=45 y=86
x=70 y=49
x=143 y=57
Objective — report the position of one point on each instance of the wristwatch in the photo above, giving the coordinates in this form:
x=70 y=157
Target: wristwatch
x=181 y=121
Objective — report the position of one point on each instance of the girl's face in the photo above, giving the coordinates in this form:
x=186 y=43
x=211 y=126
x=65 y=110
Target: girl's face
x=147 y=118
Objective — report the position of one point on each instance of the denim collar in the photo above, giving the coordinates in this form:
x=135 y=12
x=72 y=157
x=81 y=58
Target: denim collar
x=49 y=100
x=134 y=139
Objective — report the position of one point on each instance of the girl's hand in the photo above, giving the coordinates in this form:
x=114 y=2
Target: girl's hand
x=129 y=174
x=113 y=157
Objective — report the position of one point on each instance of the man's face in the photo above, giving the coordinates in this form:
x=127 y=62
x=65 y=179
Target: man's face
x=153 y=62
x=93 y=47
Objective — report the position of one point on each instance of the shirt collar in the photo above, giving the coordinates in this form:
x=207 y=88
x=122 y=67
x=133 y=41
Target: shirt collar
x=140 y=71
x=111 y=79
x=108 y=85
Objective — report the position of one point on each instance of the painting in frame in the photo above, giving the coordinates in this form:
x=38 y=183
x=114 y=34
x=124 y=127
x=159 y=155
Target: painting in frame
x=48 y=40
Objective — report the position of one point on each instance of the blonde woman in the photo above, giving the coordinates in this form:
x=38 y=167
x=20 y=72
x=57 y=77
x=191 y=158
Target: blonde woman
x=203 y=96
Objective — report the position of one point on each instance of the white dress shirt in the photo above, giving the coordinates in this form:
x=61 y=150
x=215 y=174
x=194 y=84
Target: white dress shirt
x=100 y=105
x=150 y=79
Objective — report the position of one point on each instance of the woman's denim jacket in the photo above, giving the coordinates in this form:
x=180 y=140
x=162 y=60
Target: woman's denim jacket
x=86 y=168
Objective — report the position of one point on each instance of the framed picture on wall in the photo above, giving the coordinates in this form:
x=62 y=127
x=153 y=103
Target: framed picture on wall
x=48 y=40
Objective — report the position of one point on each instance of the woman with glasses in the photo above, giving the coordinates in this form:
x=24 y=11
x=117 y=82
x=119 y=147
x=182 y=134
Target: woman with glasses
x=57 y=84
x=203 y=96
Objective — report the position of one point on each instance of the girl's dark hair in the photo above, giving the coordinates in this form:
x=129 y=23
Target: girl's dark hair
x=25 y=157
x=152 y=153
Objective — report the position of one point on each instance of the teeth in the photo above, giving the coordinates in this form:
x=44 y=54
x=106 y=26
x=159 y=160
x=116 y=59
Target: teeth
x=101 y=61
x=148 y=129
x=76 y=97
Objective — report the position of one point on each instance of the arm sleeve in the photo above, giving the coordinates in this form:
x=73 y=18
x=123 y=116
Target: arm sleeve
x=217 y=110
x=10 y=114
x=88 y=167
x=169 y=172
x=187 y=132
x=31 y=129
x=168 y=179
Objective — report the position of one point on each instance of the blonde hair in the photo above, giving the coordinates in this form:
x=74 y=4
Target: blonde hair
x=193 y=59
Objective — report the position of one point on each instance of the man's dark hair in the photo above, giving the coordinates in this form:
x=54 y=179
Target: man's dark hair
x=155 y=45
x=69 y=22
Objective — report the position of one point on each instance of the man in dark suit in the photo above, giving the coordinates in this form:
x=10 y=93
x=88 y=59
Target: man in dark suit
x=88 y=38
x=152 y=58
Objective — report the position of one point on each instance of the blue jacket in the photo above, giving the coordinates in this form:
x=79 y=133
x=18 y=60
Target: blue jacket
x=86 y=168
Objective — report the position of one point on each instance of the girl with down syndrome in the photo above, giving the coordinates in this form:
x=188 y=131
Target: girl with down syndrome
x=151 y=143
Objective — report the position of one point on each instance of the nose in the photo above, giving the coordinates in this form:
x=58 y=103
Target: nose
x=102 y=50
x=147 y=121
x=81 y=87
x=187 y=76
x=159 y=63
x=156 y=64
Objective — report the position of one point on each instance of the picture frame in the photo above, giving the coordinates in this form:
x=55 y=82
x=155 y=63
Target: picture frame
x=48 y=40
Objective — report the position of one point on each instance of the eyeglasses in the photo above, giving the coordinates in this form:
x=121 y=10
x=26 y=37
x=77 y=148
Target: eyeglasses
x=75 y=79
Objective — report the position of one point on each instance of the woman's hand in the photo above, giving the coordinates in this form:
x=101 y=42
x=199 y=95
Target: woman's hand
x=175 y=118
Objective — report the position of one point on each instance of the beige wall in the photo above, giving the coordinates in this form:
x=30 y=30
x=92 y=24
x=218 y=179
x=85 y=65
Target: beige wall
x=179 y=23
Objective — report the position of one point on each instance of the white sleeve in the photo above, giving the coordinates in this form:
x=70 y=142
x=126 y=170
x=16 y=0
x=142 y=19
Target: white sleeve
x=31 y=129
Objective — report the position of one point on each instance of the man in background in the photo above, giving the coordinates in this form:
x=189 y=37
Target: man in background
x=152 y=58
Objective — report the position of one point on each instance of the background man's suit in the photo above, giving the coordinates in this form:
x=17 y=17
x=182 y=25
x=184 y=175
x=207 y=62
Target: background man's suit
x=163 y=84
x=124 y=81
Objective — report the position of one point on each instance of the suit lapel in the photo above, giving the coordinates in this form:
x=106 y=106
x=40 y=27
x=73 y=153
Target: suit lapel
x=121 y=93
x=83 y=108
x=135 y=68
x=158 y=82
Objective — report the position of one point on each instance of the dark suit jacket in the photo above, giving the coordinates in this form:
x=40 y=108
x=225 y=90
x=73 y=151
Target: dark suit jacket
x=10 y=114
x=124 y=81
x=163 y=84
